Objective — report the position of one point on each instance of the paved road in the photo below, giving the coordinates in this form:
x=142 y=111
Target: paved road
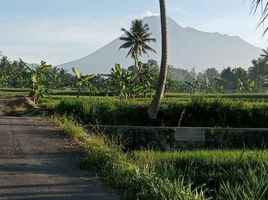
x=36 y=163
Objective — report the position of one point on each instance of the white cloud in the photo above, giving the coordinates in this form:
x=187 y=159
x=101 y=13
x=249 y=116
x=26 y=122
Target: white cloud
x=149 y=13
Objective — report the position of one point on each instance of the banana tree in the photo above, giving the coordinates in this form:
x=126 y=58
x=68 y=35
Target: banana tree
x=81 y=82
x=145 y=79
x=246 y=86
x=123 y=82
x=38 y=81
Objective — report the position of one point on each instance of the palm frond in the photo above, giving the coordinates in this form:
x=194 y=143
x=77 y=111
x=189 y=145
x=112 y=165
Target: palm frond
x=263 y=6
x=137 y=39
x=126 y=45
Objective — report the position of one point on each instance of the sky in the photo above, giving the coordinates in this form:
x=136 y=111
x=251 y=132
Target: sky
x=59 y=31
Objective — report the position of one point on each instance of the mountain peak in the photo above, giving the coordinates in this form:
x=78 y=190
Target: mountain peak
x=156 y=20
x=188 y=47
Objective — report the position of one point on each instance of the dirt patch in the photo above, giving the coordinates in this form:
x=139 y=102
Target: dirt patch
x=11 y=106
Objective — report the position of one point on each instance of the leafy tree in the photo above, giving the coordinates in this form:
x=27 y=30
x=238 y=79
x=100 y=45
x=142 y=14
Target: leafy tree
x=81 y=82
x=172 y=85
x=5 y=66
x=155 y=104
x=146 y=79
x=12 y=73
x=259 y=72
x=240 y=73
x=211 y=74
x=153 y=64
x=17 y=74
x=122 y=82
x=228 y=79
x=137 y=40
x=194 y=86
x=20 y=75
x=264 y=55
x=99 y=82
x=179 y=74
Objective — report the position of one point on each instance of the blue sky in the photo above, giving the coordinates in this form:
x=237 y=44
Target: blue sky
x=62 y=30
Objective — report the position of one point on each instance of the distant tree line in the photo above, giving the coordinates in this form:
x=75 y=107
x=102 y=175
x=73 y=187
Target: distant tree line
x=17 y=74
x=126 y=83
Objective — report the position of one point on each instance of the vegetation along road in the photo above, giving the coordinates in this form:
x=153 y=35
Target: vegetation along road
x=36 y=162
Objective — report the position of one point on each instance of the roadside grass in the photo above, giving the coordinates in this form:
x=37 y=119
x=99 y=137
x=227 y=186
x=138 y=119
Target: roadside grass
x=186 y=175
x=114 y=166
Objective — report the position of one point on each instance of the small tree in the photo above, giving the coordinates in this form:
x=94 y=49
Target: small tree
x=246 y=85
x=38 y=81
x=122 y=81
x=194 y=86
x=146 y=79
x=81 y=81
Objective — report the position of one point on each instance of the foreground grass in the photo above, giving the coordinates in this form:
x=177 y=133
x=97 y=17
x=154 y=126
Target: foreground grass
x=110 y=163
x=225 y=174
x=199 y=175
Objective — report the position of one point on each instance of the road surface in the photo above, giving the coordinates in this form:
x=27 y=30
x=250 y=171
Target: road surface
x=36 y=162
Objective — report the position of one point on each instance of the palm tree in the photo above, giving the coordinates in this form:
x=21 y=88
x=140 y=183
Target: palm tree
x=258 y=72
x=263 y=5
x=136 y=40
x=155 y=104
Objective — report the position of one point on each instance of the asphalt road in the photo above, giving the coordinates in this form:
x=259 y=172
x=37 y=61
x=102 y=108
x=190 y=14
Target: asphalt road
x=36 y=162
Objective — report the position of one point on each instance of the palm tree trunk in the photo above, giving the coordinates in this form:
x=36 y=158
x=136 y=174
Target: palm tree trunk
x=155 y=104
x=137 y=81
x=136 y=60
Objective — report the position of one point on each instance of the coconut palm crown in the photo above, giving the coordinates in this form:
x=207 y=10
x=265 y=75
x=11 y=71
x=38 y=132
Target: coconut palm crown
x=137 y=40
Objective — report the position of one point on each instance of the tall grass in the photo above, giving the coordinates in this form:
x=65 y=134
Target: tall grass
x=197 y=112
x=187 y=175
x=226 y=174
x=110 y=163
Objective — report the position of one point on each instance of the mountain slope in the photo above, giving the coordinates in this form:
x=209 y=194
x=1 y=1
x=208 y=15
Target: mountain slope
x=187 y=48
